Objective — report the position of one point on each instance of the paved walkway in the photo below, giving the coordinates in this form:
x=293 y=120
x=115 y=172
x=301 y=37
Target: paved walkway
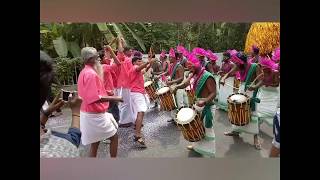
x=165 y=140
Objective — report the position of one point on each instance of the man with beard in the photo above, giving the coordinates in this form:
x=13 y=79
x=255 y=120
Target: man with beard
x=95 y=123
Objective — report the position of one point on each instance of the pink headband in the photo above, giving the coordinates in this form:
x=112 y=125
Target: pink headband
x=163 y=54
x=171 y=53
x=236 y=60
x=276 y=55
x=199 y=51
x=182 y=50
x=233 y=52
x=266 y=62
x=193 y=59
x=212 y=56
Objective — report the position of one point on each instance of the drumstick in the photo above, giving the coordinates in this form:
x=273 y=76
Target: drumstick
x=255 y=80
x=231 y=86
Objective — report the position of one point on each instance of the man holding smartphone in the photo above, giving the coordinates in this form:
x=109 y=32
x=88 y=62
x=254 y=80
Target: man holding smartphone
x=56 y=144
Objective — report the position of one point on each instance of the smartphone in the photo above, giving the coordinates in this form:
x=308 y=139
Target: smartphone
x=65 y=94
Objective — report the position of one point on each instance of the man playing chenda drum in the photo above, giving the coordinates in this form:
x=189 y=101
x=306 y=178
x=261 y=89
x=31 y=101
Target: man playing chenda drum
x=251 y=79
x=176 y=72
x=205 y=91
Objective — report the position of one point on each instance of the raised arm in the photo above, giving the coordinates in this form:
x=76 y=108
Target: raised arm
x=233 y=70
x=114 y=57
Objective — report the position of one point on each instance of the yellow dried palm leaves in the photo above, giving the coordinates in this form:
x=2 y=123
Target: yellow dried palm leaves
x=266 y=36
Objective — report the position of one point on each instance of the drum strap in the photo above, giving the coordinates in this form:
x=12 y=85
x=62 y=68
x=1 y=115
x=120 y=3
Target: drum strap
x=207 y=108
x=254 y=98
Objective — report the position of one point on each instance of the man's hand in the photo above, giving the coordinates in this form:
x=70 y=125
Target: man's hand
x=169 y=83
x=251 y=88
x=156 y=78
x=74 y=102
x=57 y=103
x=201 y=103
x=222 y=81
x=108 y=48
x=173 y=89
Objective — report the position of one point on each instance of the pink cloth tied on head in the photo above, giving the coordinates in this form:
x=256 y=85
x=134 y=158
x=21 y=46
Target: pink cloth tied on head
x=267 y=62
x=182 y=50
x=172 y=53
x=275 y=67
x=163 y=54
x=212 y=56
x=199 y=51
x=233 y=52
x=235 y=59
x=193 y=60
x=276 y=55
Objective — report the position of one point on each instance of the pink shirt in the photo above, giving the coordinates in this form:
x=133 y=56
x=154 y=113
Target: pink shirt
x=124 y=69
x=137 y=82
x=91 y=89
x=108 y=71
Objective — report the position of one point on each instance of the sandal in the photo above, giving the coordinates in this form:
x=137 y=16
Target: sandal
x=232 y=133
x=257 y=145
x=139 y=140
x=190 y=147
x=125 y=125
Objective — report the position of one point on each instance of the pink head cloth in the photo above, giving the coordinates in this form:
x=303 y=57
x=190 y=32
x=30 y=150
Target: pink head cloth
x=193 y=59
x=235 y=59
x=233 y=52
x=276 y=55
x=182 y=50
x=267 y=62
x=172 y=53
x=199 y=51
x=212 y=56
x=275 y=67
x=163 y=54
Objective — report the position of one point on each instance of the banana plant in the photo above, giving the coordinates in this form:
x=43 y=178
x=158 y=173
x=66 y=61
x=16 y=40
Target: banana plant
x=61 y=47
x=136 y=37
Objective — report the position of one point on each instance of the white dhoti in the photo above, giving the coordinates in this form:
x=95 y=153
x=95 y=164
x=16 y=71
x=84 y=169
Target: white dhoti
x=253 y=126
x=181 y=100
x=217 y=78
x=96 y=127
x=224 y=92
x=267 y=108
x=139 y=103
x=207 y=146
x=125 y=109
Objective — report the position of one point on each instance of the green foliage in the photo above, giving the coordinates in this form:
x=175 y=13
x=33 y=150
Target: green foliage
x=63 y=41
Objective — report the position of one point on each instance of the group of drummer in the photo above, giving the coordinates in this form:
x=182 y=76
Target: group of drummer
x=191 y=85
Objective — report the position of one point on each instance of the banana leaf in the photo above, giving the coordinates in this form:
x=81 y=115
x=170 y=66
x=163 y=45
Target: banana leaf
x=74 y=49
x=119 y=32
x=60 y=46
x=136 y=37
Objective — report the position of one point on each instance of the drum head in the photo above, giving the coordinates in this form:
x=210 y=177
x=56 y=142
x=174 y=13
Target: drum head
x=148 y=83
x=185 y=115
x=238 y=98
x=163 y=90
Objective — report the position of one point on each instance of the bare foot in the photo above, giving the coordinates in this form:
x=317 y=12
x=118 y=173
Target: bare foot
x=190 y=147
x=231 y=133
